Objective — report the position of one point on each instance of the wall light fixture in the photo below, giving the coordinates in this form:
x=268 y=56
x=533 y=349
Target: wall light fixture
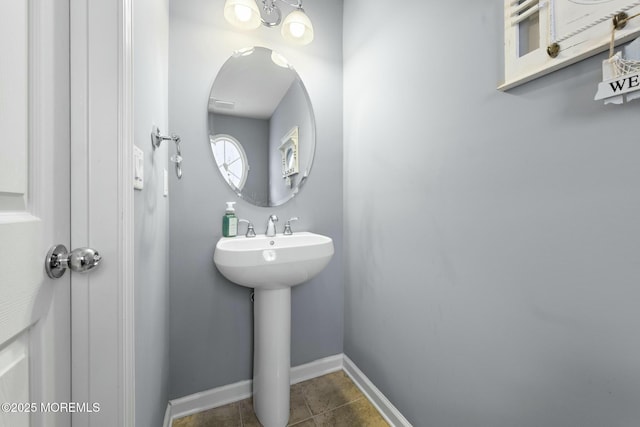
x=245 y=14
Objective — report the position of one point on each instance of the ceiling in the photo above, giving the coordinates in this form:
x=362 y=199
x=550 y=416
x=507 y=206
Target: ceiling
x=250 y=86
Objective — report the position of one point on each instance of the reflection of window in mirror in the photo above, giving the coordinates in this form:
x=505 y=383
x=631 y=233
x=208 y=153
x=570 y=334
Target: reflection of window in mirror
x=231 y=160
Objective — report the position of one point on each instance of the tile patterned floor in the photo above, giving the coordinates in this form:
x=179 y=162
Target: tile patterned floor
x=330 y=400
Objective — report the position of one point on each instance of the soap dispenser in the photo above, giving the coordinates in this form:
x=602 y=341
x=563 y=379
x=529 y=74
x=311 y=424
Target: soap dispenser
x=230 y=221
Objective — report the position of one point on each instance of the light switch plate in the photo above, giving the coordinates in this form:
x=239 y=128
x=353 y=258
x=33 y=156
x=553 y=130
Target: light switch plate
x=138 y=168
x=166 y=183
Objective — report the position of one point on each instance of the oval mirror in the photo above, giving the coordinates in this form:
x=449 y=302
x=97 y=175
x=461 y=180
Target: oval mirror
x=261 y=127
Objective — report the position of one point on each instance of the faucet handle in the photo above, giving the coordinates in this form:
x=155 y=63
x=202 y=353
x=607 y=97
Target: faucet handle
x=287 y=226
x=250 y=230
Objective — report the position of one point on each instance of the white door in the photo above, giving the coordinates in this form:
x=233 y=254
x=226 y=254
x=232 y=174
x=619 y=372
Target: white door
x=35 y=355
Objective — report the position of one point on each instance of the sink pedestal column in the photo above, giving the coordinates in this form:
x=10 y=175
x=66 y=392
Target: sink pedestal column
x=271 y=355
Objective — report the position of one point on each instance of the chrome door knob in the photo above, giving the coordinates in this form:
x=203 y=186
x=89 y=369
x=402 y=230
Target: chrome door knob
x=80 y=260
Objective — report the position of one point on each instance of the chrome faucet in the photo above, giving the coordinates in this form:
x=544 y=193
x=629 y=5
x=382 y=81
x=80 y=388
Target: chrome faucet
x=271 y=226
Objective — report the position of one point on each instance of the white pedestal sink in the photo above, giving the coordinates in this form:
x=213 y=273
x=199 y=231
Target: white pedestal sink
x=272 y=265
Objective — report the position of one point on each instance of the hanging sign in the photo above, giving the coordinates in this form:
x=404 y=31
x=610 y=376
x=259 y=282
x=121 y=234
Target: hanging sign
x=621 y=76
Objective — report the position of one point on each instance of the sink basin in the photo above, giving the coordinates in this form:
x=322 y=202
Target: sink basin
x=277 y=262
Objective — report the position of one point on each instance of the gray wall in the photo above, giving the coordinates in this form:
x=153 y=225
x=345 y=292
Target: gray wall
x=253 y=135
x=211 y=318
x=293 y=110
x=491 y=238
x=151 y=209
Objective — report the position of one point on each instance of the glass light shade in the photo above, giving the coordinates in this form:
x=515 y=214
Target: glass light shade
x=243 y=14
x=297 y=28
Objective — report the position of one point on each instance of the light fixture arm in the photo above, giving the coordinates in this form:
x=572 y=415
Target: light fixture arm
x=293 y=3
x=270 y=6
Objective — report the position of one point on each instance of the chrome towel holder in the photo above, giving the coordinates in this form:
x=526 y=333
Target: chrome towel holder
x=156 y=140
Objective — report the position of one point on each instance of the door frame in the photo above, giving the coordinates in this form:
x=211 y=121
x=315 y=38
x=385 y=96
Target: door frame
x=102 y=303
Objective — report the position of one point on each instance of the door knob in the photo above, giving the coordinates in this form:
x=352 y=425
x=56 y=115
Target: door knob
x=80 y=260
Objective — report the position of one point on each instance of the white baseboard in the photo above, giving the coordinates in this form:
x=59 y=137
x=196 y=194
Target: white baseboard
x=167 y=416
x=389 y=412
x=221 y=396
x=204 y=400
x=317 y=368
